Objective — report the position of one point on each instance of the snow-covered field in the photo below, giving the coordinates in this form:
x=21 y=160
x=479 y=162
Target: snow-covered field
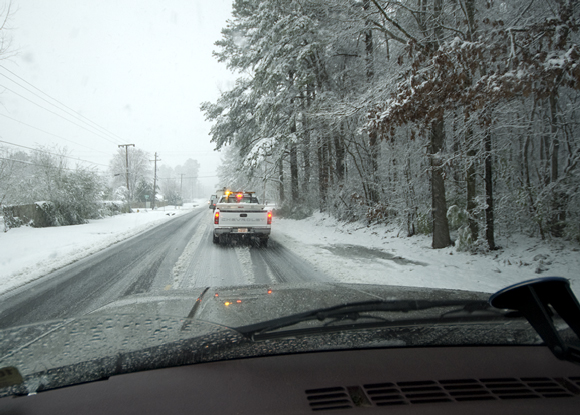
x=349 y=253
x=27 y=254
x=374 y=255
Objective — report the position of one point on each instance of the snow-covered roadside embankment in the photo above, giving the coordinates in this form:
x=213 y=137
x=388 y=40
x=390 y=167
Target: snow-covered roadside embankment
x=27 y=254
x=375 y=255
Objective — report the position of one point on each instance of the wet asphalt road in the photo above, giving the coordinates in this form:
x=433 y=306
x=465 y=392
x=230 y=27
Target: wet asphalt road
x=175 y=255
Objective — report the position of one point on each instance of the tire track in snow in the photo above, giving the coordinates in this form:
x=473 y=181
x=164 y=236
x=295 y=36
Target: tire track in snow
x=182 y=264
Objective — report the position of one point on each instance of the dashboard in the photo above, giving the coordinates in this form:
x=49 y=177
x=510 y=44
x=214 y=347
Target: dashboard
x=451 y=380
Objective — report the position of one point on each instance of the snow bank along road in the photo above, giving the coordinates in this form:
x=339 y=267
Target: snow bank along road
x=174 y=255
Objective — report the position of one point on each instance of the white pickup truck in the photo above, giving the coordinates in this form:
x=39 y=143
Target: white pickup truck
x=240 y=215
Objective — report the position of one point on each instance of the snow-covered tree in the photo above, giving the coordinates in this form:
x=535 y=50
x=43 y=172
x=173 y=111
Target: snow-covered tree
x=136 y=170
x=392 y=111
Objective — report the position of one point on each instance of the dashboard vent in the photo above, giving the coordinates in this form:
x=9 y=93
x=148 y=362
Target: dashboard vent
x=452 y=390
x=328 y=398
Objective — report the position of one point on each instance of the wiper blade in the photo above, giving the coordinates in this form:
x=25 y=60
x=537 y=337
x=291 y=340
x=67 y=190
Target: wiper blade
x=352 y=311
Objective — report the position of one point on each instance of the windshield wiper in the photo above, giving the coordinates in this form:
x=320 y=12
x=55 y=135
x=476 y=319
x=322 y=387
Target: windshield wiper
x=362 y=310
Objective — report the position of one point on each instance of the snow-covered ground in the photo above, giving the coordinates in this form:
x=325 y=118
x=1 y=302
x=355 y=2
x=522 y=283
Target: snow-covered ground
x=374 y=255
x=349 y=253
x=27 y=254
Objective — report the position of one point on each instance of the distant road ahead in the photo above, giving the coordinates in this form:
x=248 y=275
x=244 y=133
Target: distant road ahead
x=177 y=254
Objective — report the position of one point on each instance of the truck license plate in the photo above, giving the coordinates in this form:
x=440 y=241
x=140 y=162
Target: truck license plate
x=242 y=230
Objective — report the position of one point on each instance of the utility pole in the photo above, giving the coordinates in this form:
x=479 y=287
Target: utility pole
x=181 y=186
x=154 y=181
x=127 y=166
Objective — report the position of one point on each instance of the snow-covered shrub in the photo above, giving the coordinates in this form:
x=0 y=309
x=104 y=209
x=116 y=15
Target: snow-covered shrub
x=572 y=229
x=297 y=212
x=424 y=223
x=10 y=221
x=464 y=241
x=348 y=205
x=68 y=214
x=458 y=220
x=27 y=214
x=111 y=208
x=457 y=217
x=72 y=196
x=380 y=213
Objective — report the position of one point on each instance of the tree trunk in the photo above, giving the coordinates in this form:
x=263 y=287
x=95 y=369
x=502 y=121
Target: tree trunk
x=555 y=141
x=441 y=238
x=544 y=160
x=559 y=198
x=558 y=216
x=471 y=173
x=369 y=49
x=329 y=162
x=488 y=179
x=528 y=185
x=339 y=162
x=410 y=200
x=294 y=172
x=306 y=140
x=322 y=154
x=307 y=167
x=293 y=147
x=373 y=139
x=374 y=153
x=471 y=184
x=281 y=180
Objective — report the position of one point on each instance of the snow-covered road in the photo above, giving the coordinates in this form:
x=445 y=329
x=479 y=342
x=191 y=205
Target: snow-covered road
x=172 y=249
x=176 y=254
x=27 y=254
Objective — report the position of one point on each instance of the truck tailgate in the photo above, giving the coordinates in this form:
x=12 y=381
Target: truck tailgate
x=243 y=218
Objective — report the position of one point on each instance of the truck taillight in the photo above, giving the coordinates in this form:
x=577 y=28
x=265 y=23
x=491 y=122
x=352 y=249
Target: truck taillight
x=269 y=218
x=216 y=219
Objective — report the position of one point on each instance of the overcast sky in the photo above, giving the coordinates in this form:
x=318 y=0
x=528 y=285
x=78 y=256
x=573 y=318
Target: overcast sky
x=137 y=68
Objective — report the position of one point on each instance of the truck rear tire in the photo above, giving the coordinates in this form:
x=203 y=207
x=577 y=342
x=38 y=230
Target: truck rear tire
x=264 y=242
x=216 y=239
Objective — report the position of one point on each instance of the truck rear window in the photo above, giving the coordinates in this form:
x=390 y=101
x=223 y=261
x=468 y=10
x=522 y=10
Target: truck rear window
x=234 y=199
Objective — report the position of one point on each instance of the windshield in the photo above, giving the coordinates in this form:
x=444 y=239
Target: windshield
x=412 y=158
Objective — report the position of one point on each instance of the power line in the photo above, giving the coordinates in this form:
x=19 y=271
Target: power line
x=33 y=164
x=54 y=135
x=54 y=154
x=110 y=174
x=18 y=161
x=57 y=114
x=51 y=103
x=56 y=100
